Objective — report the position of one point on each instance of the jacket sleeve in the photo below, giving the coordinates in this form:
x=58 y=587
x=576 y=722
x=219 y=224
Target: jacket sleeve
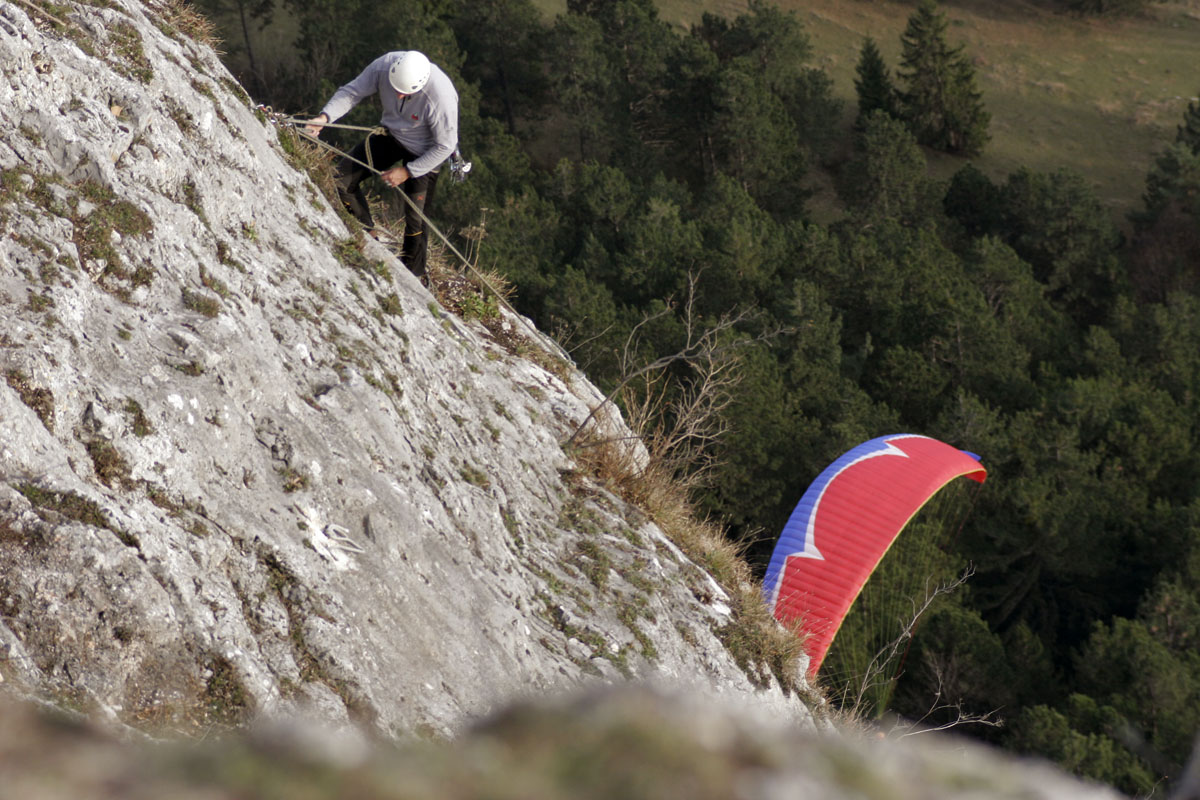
x=347 y=97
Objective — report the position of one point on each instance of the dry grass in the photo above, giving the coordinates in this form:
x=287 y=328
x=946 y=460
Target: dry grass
x=309 y=157
x=39 y=399
x=761 y=646
x=183 y=16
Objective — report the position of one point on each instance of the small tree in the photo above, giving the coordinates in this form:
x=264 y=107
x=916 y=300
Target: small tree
x=1165 y=254
x=873 y=84
x=943 y=107
x=1188 y=133
x=974 y=201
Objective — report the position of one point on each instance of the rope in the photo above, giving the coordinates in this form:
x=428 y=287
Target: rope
x=296 y=122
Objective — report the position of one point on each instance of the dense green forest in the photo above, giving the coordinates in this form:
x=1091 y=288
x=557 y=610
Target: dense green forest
x=640 y=184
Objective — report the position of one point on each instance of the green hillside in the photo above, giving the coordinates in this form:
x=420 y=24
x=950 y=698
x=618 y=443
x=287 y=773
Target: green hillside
x=1099 y=97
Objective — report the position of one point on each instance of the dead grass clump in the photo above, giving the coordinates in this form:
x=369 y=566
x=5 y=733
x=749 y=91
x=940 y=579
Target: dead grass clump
x=110 y=466
x=181 y=16
x=201 y=303
x=73 y=506
x=481 y=295
x=472 y=296
x=225 y=699
x=761 y=646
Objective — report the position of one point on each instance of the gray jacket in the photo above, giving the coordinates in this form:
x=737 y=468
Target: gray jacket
x=426 y=123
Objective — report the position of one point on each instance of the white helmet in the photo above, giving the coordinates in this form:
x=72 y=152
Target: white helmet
x=410 y=72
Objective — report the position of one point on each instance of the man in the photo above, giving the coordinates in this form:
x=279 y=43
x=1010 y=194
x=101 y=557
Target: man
x=420 y=113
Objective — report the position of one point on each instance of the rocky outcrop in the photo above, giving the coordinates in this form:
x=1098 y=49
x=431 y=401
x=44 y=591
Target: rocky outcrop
x=249 y=464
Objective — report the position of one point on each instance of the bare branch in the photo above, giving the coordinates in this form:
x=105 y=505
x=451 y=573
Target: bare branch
x=961 y=717
x=681 y=420
x=938 y=706
x=873 y=676
x=706 y=349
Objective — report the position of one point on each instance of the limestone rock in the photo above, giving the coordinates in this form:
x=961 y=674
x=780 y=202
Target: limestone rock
x=244 y=474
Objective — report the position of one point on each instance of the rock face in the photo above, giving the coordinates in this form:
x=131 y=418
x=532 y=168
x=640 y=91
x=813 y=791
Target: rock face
x=248 y=463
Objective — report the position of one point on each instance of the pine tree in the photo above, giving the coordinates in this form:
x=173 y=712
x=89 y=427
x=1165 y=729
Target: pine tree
x=943 y=107
x=769 y=114
x=874 y=84
x=966 y=119
x=1165 y=254
x=973 y=201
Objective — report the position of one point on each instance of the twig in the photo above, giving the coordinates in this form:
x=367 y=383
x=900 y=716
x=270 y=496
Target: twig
x=889 y=651
x=987 y=718
x=699 y=344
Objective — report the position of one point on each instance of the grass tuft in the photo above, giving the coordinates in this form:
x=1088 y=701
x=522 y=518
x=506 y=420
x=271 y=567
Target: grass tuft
x=226 y=700
x=201 y=303
x=38 y=398
x=179 y=18
x=73 y=506
x=111 y=467
x=127 y=46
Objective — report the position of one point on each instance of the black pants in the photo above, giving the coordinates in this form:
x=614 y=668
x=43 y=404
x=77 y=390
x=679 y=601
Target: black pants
x=382 y=151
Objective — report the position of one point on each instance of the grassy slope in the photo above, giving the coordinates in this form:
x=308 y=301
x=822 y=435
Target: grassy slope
x=1099 y=97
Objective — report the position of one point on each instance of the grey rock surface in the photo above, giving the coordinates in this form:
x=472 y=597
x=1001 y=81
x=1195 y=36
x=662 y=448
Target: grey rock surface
x=248 y=466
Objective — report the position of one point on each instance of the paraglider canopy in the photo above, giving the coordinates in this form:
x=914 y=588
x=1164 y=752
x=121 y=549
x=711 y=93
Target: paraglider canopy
x=844 y=524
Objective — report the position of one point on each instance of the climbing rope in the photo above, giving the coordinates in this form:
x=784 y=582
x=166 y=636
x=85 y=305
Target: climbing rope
x=296 y=123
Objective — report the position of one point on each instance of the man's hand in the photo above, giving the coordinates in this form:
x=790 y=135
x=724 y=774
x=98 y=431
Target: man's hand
x=395 y=176
x=314 y=125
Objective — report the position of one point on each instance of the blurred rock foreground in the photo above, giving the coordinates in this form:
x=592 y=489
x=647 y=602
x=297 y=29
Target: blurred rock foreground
x=251 y=471
x=249 y=464
x=621 y=743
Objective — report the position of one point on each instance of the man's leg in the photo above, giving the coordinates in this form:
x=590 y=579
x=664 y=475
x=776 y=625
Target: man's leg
x=416 y=242
x=378 y=150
